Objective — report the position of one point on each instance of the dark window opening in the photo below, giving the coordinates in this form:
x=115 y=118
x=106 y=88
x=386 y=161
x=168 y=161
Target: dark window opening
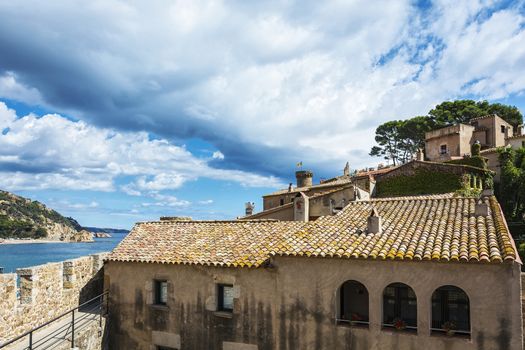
x=503 y=129
x=443 y=149
x=161 y=292
x=158 y=347
x=281 y=201
x=225 y=298
x=353 y=308
x=523 y=144
x=399 y=307
x=450 y=311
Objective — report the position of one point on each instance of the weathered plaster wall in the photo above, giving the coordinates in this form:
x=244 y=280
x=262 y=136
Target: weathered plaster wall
x=458 y=139
x=46 y=291
x=293 y=305
x=516 y=142
x=496 y=138
x=272 y=201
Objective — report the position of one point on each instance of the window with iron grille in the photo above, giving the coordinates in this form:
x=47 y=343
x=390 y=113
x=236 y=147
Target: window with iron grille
x=399 y=307
x=353 y=308
x=450 y=310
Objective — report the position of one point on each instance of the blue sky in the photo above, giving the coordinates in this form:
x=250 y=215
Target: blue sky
x=115 y=112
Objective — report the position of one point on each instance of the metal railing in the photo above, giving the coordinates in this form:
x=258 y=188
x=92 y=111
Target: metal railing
x=64 y=331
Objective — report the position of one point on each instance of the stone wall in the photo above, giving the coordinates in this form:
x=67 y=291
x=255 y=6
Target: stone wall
x=46 y=291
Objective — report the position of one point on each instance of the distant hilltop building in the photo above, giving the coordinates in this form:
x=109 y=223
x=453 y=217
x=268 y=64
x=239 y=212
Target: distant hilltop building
x=455 y=142
x=306 y=201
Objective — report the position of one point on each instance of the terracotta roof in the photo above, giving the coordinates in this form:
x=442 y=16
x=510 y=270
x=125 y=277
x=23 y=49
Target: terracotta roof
x=376 y=172
x=439 y=228
x=337 y=182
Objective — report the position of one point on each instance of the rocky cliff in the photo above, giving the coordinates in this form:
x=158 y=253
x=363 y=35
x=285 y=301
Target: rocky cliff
x=23 y=218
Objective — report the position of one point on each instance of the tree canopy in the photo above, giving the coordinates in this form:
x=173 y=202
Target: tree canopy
x=462 y=111
x=512 y=186
x=398 y=140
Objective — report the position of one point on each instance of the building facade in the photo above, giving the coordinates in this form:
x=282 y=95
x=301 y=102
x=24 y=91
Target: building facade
x=433 y=272
x=454 y=142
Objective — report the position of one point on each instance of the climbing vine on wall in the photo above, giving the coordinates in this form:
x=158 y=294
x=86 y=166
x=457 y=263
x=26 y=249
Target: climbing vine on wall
x=422 y=182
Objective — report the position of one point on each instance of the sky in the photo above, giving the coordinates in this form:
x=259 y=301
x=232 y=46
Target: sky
x=115 y=112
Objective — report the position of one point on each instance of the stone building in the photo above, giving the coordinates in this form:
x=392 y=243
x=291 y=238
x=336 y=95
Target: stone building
x=454 y=142
x=421 y=272
x=308 y=201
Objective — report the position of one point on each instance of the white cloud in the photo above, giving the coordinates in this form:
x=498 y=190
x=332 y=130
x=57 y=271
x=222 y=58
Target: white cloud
x=54 y=152
x=218 y=155
x=307 y=79
x=11 y=88
x=206 y=202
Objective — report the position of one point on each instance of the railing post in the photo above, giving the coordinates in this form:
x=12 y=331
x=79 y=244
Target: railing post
x=73 y=329
x=31 y=340
x=101 y=307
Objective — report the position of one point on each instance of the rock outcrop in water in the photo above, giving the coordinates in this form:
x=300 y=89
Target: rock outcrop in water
x=23 y=218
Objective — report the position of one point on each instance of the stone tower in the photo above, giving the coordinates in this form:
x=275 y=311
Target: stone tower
x=304 y=178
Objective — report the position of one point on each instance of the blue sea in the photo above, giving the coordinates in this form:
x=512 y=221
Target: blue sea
x=14 y=256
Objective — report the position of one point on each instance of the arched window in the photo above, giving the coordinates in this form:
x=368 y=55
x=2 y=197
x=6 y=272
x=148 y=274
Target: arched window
x=399 y=307
x=353 y=304
x=450 y=311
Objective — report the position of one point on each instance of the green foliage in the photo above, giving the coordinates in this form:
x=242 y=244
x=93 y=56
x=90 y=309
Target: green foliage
x=16 y=228
x=521 y=251
x=462 y=111
x=422 y=182
x=511 y=192
x=475 y=150
x=398 y=140
x=26 y=219
x=476 y=161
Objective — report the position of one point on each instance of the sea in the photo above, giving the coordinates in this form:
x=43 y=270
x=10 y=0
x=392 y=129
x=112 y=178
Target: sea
x=15 y=256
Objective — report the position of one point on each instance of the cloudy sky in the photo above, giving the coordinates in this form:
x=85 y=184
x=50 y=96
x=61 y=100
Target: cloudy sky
x=116 y=112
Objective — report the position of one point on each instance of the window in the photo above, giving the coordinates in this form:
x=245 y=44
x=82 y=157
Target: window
x=443 y=149
x=353 y=307
x=399 y=307
x=503 y=129
x=450 y=311
x=161 y=292
x=225 y=298
x=158 y=347
x=281 y=201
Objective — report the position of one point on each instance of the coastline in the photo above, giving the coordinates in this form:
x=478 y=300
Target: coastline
x=31 y=241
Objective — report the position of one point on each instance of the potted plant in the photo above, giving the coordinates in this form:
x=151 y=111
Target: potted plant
x=449 y=327
x=355 y=317
x=399 y=324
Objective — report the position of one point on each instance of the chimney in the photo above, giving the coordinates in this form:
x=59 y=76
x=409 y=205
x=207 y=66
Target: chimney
x=374 y=222
x=304 y=178
x=481 y=209
x=290 y=187
x=301 y=207
x=249 y=208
